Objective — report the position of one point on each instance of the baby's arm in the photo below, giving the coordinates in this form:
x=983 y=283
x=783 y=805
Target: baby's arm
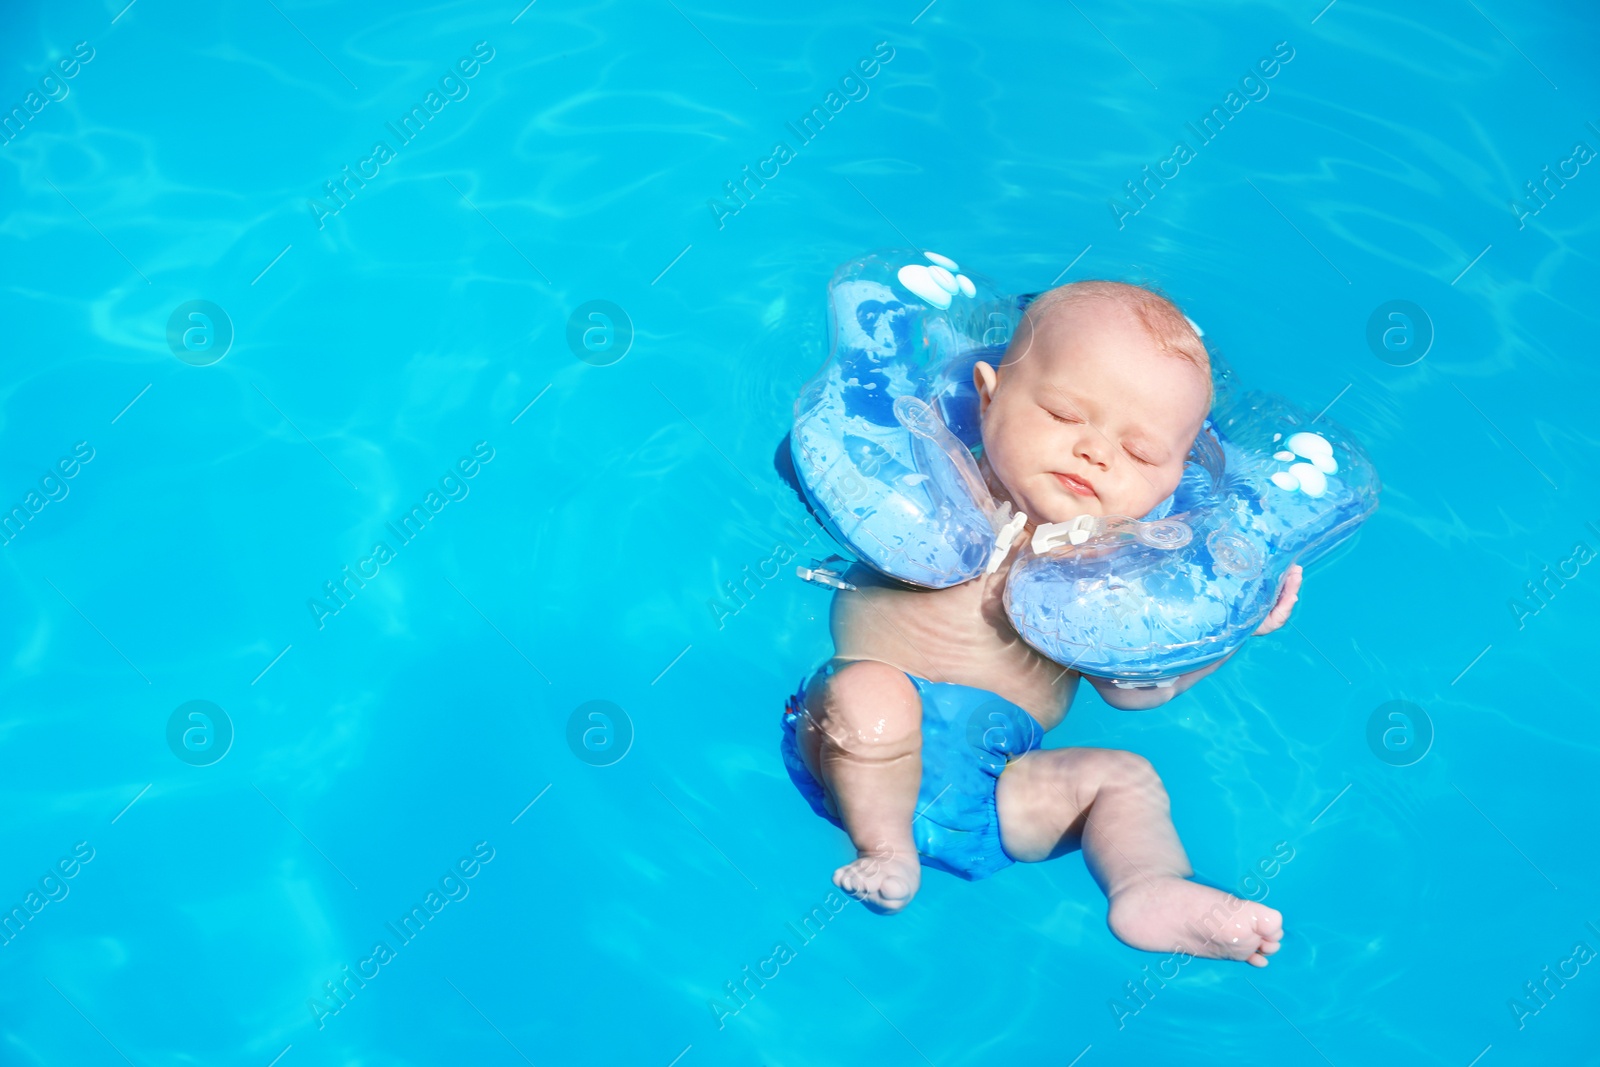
x=1145 y=699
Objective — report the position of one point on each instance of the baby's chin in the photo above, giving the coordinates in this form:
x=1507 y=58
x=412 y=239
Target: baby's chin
x=1055 y=506
x=1042 y=514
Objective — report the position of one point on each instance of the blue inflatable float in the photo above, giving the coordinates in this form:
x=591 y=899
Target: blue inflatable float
x=883 y=444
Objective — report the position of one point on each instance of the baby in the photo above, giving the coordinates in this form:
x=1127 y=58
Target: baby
x=921 y=735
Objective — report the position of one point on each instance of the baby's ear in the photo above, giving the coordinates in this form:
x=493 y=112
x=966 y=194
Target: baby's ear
x=984 y=379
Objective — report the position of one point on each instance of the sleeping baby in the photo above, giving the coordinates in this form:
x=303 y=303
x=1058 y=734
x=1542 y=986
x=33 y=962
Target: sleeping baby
x=920 y=737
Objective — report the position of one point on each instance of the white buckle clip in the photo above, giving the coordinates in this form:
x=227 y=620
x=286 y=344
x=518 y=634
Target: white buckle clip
x=1052 y=535
x=822 y=576
x=1159 y=683
x=1004 y=535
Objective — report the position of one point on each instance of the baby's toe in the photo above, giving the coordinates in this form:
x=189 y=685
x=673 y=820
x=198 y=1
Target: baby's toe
x=1269 y=927
x=1269 y=924
x=894 y=889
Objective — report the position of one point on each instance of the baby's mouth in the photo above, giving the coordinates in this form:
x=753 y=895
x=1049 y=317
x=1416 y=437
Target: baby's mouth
x=1074 y=484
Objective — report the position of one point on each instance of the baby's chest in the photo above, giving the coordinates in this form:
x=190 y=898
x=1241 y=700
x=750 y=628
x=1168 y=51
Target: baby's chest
x=949 y=627
x=958 y=635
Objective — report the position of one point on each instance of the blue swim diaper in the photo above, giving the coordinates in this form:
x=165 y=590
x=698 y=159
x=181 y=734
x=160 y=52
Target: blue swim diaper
x=968 y=737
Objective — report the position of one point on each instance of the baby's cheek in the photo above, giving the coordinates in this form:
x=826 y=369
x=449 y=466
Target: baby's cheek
x=1157 y=490
x=1014 y=473
x=1135 y=495
x=999 y=443
x=997 y=447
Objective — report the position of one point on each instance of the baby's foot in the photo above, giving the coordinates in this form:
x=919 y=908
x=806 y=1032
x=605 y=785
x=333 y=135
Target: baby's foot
x=1174 y=914
x=884 y=879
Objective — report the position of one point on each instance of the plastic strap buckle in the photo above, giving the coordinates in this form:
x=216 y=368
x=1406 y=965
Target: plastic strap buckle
x=1056 y=534
x=1158 y=683
x=820 y=575
x=1004 y=535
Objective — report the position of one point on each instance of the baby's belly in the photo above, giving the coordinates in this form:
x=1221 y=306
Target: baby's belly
x=958 y=635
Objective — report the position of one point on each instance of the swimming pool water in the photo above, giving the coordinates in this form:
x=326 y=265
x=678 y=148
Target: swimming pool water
x=563 y=525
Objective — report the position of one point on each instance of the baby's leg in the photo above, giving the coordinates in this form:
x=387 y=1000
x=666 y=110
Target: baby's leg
x=1112 y=805
x=861 y=737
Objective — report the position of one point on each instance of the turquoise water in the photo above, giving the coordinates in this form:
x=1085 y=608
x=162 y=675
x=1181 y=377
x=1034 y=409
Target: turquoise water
x=379 y=340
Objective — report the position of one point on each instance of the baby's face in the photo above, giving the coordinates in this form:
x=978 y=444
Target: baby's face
x=1091 y=418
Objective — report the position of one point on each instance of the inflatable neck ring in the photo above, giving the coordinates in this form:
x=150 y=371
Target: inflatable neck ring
x=883 y=444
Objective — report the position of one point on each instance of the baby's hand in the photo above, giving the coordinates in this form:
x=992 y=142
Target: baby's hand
x=1285 y=604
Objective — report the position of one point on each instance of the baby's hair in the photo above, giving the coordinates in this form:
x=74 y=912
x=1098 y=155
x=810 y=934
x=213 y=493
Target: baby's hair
x=1168 y=327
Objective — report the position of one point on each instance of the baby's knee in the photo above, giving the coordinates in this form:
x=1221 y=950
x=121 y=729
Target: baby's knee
x=1129 y=770
x=866 y=704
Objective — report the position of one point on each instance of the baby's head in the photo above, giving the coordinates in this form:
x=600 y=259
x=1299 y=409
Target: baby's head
x=1096 y=403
